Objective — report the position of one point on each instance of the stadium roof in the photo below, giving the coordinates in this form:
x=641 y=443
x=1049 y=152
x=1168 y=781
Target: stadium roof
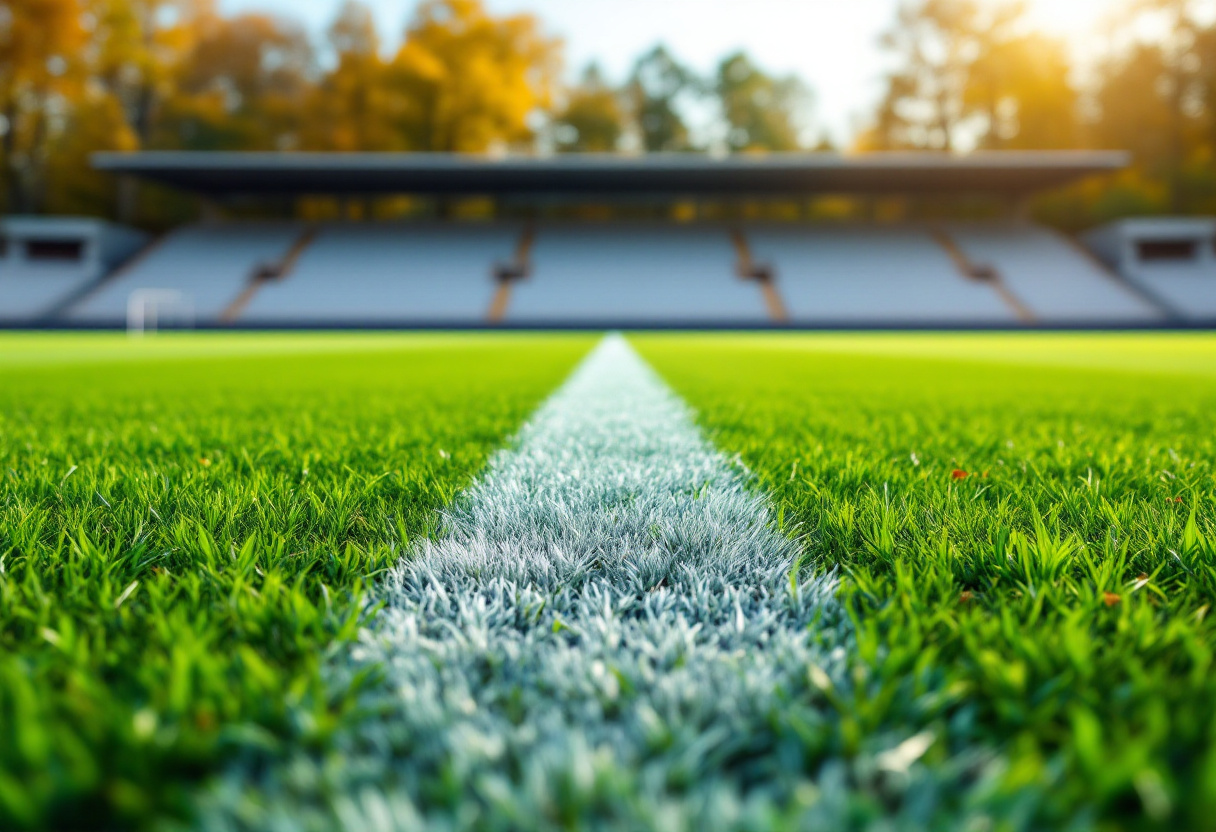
x=219 y=174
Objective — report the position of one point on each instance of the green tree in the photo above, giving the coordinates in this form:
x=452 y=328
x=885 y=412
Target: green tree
x=592 y=118
x=656 y=91
x=935 y=42
x=1155 y=97
x=761 y=112
x=972 y=73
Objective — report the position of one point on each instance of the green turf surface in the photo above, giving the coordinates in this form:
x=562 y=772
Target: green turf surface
x=186 y=526
x=1055 y=602
x=41 y=348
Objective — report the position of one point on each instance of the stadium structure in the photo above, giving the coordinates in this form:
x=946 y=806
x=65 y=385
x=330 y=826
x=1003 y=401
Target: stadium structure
x=533 y=272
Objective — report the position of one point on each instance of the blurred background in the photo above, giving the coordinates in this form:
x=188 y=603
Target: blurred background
x=544 y=163
x=78 y=76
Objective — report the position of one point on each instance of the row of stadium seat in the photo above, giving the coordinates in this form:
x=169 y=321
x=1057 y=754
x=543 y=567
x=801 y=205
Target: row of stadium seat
x=585 y=274
x=1188 y=288
x=27 y=294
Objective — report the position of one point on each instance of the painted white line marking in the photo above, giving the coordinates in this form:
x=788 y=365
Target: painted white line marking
x=606 y=631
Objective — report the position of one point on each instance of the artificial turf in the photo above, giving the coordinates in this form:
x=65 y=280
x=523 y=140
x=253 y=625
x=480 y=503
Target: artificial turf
x=187 y=527
x=1024 y=526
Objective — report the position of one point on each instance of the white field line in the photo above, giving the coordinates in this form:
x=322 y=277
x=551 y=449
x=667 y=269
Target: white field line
x=606 y=634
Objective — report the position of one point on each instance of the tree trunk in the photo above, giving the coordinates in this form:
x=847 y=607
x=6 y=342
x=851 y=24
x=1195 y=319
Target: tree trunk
x=12 y=178
x=35 y=180
x=141 y=118
x=1177 y=141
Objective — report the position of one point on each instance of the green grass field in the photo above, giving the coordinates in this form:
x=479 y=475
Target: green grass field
x=1025 y=527
x=187 y=526
x=1054 y=601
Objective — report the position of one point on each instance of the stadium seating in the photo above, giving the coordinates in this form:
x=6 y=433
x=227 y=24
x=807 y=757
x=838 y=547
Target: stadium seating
x=1188 y=288
x=635 y=274
x=854 y=274
x=1170 y=260
x=31 y=292
x=210 y=264
x=390 y=273
x=1054 y=278
x=622 y=274
x=46 y=261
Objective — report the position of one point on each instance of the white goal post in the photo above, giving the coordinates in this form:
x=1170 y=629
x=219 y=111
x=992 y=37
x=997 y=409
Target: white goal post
x=150 y=309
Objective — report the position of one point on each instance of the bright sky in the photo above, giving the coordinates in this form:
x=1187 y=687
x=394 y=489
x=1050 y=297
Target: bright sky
x=831 y=44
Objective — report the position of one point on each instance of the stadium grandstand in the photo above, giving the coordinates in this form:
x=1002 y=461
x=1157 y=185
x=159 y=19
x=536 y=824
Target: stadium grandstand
x=1171 y=261
x=530 y=270
x=47 y=263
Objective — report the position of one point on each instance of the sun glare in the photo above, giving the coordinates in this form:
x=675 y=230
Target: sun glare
x=1080 y=22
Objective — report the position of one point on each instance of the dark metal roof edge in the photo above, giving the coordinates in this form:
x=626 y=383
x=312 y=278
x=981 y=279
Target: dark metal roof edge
x=154 y=161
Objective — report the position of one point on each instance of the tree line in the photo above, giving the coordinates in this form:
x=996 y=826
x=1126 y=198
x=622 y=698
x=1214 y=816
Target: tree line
x=77 y=76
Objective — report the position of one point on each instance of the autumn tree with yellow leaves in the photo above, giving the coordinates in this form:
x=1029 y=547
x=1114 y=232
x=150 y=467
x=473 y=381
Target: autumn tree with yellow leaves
x=243 y=86
x=78 y=76
x=972 y=73
x=350 y=108
x=592 y=118
x=467 y=81
x=40 y=76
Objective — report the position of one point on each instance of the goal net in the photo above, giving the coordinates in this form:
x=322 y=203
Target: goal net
x=150 y=310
